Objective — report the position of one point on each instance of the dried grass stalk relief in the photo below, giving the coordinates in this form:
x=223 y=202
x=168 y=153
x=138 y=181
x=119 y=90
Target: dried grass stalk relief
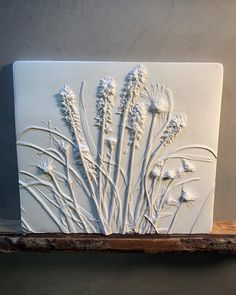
x=123 y=191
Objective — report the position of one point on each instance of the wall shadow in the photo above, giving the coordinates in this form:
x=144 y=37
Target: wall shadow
x=9 y=196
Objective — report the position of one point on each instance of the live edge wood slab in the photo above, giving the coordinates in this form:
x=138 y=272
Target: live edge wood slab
x=221 y=240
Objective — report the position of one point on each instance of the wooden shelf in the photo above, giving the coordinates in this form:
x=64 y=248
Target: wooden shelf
x=221 y=240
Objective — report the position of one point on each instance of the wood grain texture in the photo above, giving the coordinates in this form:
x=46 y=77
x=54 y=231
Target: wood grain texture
x=221 y=240
x=224 y=227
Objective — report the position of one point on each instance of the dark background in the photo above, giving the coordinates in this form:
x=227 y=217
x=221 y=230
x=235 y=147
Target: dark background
x=132 y=30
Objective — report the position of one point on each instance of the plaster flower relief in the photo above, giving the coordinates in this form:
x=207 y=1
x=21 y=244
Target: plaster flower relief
x=118 y=165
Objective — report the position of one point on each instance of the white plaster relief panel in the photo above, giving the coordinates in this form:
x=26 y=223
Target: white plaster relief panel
x=117 y=147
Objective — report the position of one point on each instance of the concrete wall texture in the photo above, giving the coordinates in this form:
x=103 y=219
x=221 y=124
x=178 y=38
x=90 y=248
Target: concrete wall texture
x=132 y=30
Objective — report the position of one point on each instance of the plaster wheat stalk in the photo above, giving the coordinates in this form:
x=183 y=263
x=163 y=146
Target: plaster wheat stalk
x=134 y=83
x=68 y=104
x=111 y=143
x=67 y=100
x=135 y=127
x=105 y=97
x=127 y=199
x=84 y=121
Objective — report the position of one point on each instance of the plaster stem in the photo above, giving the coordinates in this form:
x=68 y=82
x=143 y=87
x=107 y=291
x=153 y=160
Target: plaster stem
x=118 y=163
x=146 y=156
x=100 y=161
x=69 y=182
x=63 y=203
x=174 y=218
x=128 y=193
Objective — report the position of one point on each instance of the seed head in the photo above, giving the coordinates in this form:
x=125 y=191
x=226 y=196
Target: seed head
x=158 y=96
x=186 y=196
x=134 y=84
x=156 y=171
x=177 y=123
x=104 y=104
x=169 y=174
x=45 y=165
x=188 y=166
x=136 y=120
x=68 y=103
x=111 y=142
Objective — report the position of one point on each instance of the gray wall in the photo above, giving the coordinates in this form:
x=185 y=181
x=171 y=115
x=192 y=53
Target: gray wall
x=184 y=30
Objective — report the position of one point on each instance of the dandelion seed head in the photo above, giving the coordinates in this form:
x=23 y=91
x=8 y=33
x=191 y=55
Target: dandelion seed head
x=186 y=196
x=45 y=165
x=157 y=107
x=158 y=96
x=169 y=174
x=63 y=145
x=188 y=166
x=156 y=171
